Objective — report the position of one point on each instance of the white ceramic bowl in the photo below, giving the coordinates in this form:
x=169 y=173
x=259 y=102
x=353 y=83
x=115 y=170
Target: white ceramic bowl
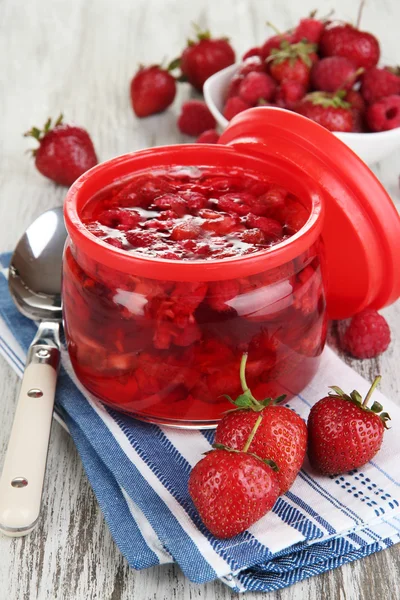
x=370 y=147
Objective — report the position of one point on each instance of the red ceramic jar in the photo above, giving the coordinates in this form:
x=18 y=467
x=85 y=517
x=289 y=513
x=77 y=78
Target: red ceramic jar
x=276 y=308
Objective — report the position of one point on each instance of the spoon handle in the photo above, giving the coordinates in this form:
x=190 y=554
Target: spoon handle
x=21 y=481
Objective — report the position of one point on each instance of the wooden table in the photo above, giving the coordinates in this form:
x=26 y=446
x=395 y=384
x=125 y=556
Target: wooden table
x=78 y=57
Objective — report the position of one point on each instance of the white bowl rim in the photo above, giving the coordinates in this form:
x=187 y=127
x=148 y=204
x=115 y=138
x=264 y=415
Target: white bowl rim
x=208 y=97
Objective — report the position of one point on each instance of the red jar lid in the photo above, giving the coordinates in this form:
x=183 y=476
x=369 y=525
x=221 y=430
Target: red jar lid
x=361 y=232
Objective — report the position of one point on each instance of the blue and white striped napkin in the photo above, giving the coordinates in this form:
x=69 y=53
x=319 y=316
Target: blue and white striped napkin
x=139 y=473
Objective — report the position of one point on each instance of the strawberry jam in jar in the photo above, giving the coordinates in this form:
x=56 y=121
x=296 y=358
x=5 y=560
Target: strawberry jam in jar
x=179 y=260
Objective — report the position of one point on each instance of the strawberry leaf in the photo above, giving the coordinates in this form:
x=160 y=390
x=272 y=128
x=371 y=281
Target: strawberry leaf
x=174 y=64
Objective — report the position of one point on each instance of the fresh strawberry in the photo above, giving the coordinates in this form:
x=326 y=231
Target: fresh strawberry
x=292 y=62
x=210 y=136
x=234 y=106
x=233 y=87
x=356 y=100
x=232 y=490
x=204 y=57
x=333 y=73
x=344 y=433
x=328 y=110
x=368 y=335
x=256 y=88
x=251 y=52
x=64 y=152
x=384 y=114
x=253 y=63
x=309 y=29
x=281 y=434
x=195 y=118
x=289 y=93
x=274 y=43
x=378 y=83
x=152 y=89
x=360 y=47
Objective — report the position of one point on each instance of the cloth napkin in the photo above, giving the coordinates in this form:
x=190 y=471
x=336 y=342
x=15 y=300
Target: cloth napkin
x=139 y=473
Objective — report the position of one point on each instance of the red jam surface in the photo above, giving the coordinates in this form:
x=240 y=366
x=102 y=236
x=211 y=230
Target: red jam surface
x=168 y=350
x=194 y=214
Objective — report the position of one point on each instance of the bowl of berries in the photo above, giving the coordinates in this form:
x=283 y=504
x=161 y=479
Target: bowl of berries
x=326 y=71
x=182 y=258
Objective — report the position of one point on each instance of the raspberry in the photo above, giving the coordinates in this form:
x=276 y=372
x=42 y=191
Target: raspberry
x=220 y=292
x=187 y=230
x=271 y=229
x=257 y=86
x=140 y=239
x=211 y=136
x=333 y=73
x=234 y=106
x=384 y=114
x=195 y=118
x=378 y=83
x=250 y=53
x=289 y=93
x=119 y=219
x=171 y=202
x=367 y=335
x=252 y=236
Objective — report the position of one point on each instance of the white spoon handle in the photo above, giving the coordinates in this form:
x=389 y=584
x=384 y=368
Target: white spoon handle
x=21 y=481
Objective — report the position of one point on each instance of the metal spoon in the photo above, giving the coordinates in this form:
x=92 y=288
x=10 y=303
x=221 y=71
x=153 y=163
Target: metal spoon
x=35 y=285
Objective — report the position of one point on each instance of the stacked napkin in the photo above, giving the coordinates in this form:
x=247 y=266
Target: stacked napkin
x=139 y=473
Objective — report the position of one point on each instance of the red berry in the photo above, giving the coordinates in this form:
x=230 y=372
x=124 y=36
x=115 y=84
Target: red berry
x=195 y=118
x=384 y=114
x=194 y=200
x=171 y=202
x=292 y=62
x=233 y=87
x=281 y=436
x=368 y=335
x=333 y=73
x=252 y=236
x=360 y=47
x=232 y=490
x=153 y=89
x=356 y=100
x=271 y=229
x=211 y=136
x=65 y=151
x=274 y=43
x=119 y=219
x=234 y=106
x=204 y=57
x=250 y=65
x=251 y=52
x=236 y=202
x=328 y=110
x=257 y=86
x=378 y=83
x=343 y=433
x=187 y=230
x=289 y=93
x=308 y=29
x=140 y=239
x=219 y=294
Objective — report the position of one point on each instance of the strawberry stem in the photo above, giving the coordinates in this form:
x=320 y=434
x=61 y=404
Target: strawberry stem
x=253 y=433
x=360 y=11
x=277 y=31
x=371 y=390
x=243 y=381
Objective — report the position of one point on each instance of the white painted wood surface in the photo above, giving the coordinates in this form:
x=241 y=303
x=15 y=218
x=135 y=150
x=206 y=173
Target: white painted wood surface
x=77 y=56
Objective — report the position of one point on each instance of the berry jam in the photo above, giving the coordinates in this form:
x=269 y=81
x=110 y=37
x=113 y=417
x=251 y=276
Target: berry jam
x=194 y=214
x=168 y=351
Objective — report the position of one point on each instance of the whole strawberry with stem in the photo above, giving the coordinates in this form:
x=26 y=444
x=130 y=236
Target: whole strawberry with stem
x=360 y=47
x=292 y=62
x=281 y=434
x=327 y=109
x=232 y=489
x=343 y=432
x=203 y=57
x=309 y=29
x=65 y=151
x=152 y=90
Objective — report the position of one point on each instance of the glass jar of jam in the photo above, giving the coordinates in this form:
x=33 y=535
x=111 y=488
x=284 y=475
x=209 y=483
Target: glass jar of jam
x=180 y=259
